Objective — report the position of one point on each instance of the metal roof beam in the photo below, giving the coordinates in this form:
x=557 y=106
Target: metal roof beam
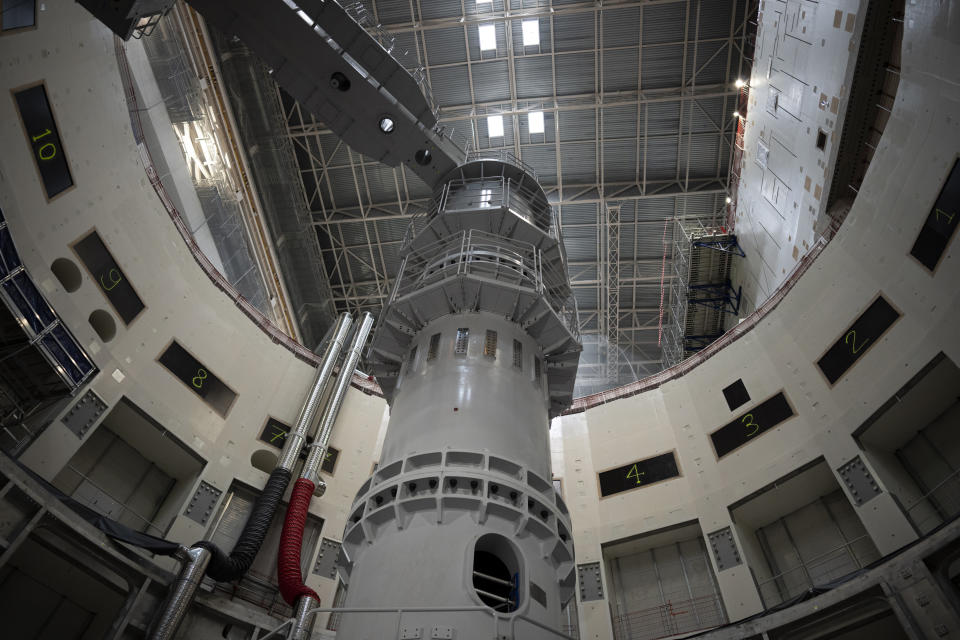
x=590 y=6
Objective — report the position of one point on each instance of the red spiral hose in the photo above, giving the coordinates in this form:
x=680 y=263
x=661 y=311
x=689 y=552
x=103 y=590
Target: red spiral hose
x=288 y=554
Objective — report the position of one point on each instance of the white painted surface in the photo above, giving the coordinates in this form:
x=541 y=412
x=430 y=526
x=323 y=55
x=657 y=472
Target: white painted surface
x=870 y=254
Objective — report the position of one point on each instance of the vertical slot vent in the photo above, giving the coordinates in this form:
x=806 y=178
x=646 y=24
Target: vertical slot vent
x=537 y=371
x=490 y=344
x=412 y=360
x=434 y=347
x=463 y=337
x=518 y=354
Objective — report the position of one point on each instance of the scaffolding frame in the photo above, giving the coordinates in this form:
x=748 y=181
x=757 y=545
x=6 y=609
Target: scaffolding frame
x=703 y=297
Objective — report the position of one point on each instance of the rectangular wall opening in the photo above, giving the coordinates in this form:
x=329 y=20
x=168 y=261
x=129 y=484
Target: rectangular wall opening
x=913 y=443
x=799 y=532
x=259 y=585
x=132 y=470
x=662 y=584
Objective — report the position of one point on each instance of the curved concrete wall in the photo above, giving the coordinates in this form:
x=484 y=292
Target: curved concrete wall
x=74 y=55
x=870 y=255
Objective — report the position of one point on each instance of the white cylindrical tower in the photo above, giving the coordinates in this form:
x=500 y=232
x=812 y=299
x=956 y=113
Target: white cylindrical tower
x=476 y=349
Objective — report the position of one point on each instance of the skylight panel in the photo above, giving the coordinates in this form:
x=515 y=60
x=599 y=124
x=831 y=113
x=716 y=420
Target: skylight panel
x=488 y=37
x=535 y=121
x=495 y=126
x=531 y=33
x=480 y=2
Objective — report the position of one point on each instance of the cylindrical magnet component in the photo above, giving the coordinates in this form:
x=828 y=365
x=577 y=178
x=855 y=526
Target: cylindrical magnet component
x=311 y=468
x=298 y=435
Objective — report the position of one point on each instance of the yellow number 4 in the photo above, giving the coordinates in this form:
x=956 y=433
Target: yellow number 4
x=948 y=216
x=634 y=473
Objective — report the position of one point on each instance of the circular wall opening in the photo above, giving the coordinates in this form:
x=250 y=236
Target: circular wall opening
x=423 y=157
x=264 y=460
x=67 y=272
x=339 y=81
x=497 y=573
x=103 y=324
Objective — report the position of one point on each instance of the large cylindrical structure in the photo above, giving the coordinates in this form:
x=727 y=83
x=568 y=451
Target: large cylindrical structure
x=476 y=349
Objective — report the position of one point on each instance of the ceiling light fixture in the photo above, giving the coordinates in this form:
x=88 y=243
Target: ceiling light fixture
x=736 y=114
x=387 y=125
x=495 y=126
x=488 y=37
x=535 y=121
x=729 y=199
x=739 y=83
x=531 y=33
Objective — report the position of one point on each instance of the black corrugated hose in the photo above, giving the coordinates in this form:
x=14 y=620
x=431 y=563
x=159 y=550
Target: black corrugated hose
x=224 y=568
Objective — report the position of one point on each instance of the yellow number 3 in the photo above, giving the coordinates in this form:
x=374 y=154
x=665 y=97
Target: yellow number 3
x=750 y=423
x=199 y=378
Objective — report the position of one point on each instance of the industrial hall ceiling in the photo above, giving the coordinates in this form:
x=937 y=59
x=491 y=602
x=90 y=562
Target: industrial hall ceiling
x=638 y=130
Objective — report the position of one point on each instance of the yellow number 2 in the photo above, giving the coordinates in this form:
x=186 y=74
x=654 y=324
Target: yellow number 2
x=748 y=419
x=634 y=473
x=853 y=347
x=199 y=378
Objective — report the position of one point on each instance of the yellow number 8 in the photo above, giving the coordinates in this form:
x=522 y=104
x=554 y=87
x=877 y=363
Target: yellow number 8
x=201 y=376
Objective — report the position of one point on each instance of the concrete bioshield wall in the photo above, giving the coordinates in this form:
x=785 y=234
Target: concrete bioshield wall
x=667 y=461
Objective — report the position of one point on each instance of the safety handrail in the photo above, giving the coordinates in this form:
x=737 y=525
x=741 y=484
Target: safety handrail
x=813 y=562
x=399 y=611
x=937 y=514
x=501 y=155
x=450 y=199
x=935 y=488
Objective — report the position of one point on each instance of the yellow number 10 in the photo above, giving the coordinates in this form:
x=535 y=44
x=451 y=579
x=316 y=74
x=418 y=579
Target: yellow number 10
x=47 y=151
